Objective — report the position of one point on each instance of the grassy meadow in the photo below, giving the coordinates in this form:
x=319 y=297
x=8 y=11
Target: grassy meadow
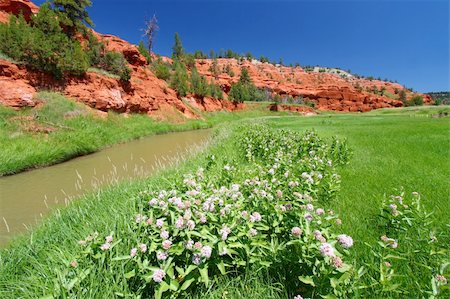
x=391 y=149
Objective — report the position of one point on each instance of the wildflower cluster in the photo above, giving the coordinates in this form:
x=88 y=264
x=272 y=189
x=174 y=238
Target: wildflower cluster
x=263 y=211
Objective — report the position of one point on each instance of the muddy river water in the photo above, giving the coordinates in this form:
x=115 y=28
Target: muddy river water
x=27 y=197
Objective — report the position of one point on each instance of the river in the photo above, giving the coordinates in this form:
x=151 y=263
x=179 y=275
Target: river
x=27 y=197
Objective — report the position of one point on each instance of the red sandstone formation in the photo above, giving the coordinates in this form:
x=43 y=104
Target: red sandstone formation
x=147 y=94
x=327 y=91
x=16 y=7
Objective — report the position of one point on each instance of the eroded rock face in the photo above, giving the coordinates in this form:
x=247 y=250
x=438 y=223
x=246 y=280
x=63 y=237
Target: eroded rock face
x=16 y=7
x=326 y=91
x=15 y=90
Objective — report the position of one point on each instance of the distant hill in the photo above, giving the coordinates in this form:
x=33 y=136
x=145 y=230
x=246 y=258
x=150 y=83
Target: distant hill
x=440 y=97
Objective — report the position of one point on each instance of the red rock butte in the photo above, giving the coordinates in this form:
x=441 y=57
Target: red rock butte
x=145 y=93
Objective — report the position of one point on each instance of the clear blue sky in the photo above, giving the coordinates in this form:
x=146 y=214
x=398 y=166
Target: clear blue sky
x=402 y=40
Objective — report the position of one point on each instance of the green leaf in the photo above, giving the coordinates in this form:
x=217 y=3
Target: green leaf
x=120 y=258
x=174 y=285
x=307 y=280
x=221 y=268
x=130 y=274
x=189 y=270
x=204 y=274
x=187 y=283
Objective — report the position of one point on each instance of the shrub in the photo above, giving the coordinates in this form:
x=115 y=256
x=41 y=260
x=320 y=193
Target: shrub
x=215 y=91
x=199 y=85
x=179 y=79
x=95 y=50
x=417 y=101
x=214 y=68
x=145 y=52
x=116 y=63
x=161 y=69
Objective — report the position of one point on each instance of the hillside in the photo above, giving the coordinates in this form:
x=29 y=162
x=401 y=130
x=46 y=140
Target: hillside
x=145 y=93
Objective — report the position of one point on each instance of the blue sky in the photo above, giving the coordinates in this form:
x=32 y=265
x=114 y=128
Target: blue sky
x=402 y=40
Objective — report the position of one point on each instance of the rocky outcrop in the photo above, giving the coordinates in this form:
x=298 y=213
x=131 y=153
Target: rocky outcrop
x=16 y=7
x=326 y=91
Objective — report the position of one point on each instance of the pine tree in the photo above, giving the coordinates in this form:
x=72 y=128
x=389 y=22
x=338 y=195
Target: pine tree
x=177 y=48
x=73 y=14
x=245 y=77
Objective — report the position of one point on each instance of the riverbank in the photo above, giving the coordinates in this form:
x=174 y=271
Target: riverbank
x=59 y=129
x=389 y=151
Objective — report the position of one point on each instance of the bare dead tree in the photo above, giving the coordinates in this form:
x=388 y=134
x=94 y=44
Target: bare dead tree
x=151 y=27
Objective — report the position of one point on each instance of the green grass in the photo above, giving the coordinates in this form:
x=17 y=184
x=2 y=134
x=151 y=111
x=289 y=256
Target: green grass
x=393 y=148
x=83 y=133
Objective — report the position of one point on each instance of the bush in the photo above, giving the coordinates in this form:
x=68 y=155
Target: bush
x=115 y=63
x=215 y=91
x=417 y=101
x=144 y=52
x=161 y=69
x=199 y=85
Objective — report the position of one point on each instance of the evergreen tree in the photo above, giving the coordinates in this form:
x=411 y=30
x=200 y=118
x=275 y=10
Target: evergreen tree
x=177 y=48
x=245 y=77
x=73 y=14
x=199 y=84
x=179 y=80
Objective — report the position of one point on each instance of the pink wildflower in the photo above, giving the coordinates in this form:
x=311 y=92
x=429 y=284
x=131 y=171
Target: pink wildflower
x=298 y=297
x=225 y=231
x=196 y=259
x=166 y=244
x=320 y=211
x=255 y=217
x=108 y=239
x=252 y=232
x=159 y=222
x=206 y=251
x=327 y=250
x=198 y=245
x=345 y=241
x=337 y=262
x=105 y=246
x=296 y=231
x=133 y=252
x=441 y=278
x=74 y=264
x=164 y=234
x=158 y=275
x=161 y=255
x=143 y=247
x=308 y=217
x=190 y=224
x=309 y=207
